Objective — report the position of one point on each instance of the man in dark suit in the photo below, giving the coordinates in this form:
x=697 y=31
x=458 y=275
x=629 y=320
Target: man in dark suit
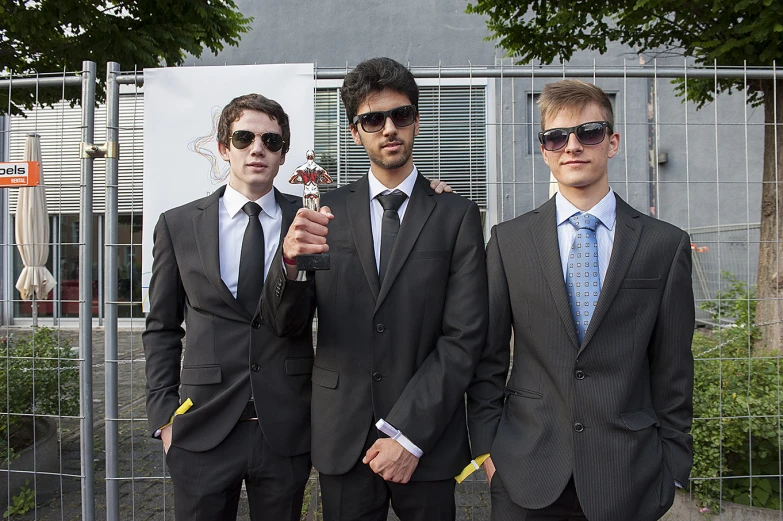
x=210 y=257
x=401 y=317
x=594 y=420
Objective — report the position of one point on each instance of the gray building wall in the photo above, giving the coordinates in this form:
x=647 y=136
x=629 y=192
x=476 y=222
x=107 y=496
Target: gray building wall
x=333 y=33
x=712 y=181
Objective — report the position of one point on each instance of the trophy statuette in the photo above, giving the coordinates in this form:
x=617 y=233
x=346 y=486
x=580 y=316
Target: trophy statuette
x=310 y=174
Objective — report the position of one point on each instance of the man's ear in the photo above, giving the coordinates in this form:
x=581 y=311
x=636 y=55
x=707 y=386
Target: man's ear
x=355 y=133
x=223 y=152
x=416 y=124
x=614 y=144
x=282 y=158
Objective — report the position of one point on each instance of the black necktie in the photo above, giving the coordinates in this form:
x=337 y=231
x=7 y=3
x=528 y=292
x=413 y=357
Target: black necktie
x=390 y=226
x=251 y=260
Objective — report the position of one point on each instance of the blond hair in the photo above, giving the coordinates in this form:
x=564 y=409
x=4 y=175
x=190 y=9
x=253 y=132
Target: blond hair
x=572 y=95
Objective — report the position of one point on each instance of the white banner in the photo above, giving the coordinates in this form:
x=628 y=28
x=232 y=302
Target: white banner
x=181 y=108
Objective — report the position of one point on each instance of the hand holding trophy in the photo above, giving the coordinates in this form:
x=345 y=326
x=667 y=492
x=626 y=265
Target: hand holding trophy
x=310 y=174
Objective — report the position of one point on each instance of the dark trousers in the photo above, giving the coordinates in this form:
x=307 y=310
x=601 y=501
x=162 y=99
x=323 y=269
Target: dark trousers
x=207 y=484
x=362 y=495
x=565 y=508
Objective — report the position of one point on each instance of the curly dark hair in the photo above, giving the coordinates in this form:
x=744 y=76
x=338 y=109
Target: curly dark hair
x=233 y=111
x=375 y=75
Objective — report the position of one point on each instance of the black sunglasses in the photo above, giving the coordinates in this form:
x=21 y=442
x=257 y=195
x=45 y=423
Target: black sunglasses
x=591 y=133
x=374 y=121
x=244 y=138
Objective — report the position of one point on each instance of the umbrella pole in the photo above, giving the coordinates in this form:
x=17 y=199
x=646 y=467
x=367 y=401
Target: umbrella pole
x=34 y=307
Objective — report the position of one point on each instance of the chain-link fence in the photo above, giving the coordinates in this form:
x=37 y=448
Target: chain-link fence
x=699 y=169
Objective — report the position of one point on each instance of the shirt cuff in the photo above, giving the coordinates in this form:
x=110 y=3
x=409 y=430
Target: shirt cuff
x=399 y=437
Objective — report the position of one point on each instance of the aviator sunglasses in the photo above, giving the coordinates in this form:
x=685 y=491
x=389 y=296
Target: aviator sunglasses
x=374 y=121
x=591 y=133
x=244 y=138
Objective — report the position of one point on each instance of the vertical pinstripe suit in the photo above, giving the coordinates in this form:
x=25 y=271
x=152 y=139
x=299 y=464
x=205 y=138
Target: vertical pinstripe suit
x=613 y=412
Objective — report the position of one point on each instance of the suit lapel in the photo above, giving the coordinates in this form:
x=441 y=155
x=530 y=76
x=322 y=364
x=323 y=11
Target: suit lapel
x=358 y=205
x=419 y=208
x=548 y=248
x=628 y=229
x=206 y=229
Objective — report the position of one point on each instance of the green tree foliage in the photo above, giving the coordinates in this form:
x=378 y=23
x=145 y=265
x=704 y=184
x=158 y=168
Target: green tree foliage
x=718 y=32
x=722 y=32
x=51 y=36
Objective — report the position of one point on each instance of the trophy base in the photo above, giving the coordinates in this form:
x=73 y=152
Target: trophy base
x=312 y=262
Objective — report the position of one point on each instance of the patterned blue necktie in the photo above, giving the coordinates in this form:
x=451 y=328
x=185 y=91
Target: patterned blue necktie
x=583 y=280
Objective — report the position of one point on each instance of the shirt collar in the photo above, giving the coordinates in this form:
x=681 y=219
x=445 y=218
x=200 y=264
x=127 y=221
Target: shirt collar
x=605 y=210
x=234 y=201
x=376 y=187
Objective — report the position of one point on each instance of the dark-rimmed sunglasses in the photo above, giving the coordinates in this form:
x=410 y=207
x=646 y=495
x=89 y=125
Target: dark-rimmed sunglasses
x=591 y=133
x=374 y=121
x=244 y=138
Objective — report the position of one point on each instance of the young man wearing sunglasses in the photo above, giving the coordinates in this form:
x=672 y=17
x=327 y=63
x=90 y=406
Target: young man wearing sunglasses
x=402 y=317
x=237 y=407
x=594 y=420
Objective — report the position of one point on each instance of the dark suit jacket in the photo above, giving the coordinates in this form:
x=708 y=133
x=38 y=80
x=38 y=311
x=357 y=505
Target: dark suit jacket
x=227 y=350
x=615 y=412
x=404 y=351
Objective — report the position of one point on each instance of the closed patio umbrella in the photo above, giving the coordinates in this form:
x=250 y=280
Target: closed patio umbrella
x=32 y=235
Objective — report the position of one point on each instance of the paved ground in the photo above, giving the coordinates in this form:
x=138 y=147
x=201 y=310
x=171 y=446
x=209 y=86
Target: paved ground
x=145 y=492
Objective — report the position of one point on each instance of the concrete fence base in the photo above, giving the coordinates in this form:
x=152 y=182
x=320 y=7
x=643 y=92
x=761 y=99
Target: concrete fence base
x=685 y=509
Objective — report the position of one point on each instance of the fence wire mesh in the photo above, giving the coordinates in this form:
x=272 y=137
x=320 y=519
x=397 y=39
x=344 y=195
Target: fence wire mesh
x=700 y=169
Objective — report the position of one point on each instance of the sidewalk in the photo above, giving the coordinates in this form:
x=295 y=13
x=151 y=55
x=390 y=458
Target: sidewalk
x=145 y=494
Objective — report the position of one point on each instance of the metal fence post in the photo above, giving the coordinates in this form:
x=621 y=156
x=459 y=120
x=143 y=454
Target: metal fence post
x=110 y=292
x=85 y=293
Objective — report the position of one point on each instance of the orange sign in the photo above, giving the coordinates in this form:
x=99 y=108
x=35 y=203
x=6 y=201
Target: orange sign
x=20 y=173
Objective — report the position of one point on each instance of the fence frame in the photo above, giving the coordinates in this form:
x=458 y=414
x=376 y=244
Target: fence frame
x=110 y=150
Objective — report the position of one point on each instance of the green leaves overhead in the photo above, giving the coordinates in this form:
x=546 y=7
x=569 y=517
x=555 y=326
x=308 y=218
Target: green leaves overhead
x=722 y=32
x=57 y=35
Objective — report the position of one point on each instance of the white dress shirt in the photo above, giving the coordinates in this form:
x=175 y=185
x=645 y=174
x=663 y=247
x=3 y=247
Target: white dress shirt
x=376 y=210
x=376 y=218
x=231 y=228
x=605 y=211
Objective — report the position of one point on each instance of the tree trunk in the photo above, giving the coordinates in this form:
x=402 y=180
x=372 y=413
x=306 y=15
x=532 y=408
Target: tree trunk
x=769 y=309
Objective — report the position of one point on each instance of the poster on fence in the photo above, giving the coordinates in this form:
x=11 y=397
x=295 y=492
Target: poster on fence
x=181 y=109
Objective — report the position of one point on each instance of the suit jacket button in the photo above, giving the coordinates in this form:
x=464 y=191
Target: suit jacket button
x=578 y=427
x=580 y=375
x=256 y=324
x=377 y=376
x=380 y=328
x=255 y=367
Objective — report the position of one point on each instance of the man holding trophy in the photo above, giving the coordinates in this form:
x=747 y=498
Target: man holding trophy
x=402 y=316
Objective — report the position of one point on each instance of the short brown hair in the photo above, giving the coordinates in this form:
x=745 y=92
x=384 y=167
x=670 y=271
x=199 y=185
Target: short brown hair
x=572 y=95
x=234 y=110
